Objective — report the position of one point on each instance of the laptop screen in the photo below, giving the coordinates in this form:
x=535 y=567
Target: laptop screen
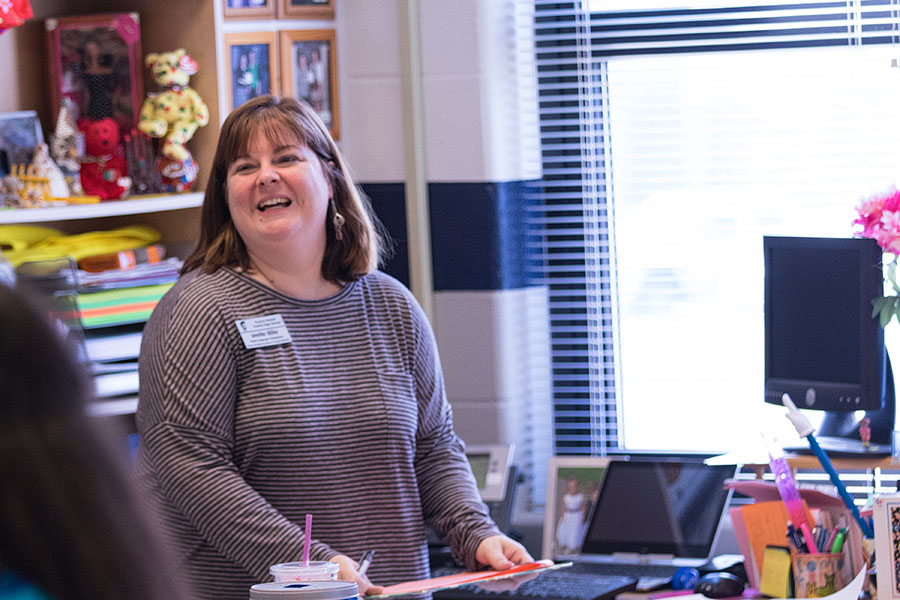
x=658 y=508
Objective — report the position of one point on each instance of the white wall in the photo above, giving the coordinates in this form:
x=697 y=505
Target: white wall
x=480 y=119
x=480 y=126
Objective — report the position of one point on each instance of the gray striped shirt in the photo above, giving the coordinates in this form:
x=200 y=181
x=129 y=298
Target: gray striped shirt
x=348 y=421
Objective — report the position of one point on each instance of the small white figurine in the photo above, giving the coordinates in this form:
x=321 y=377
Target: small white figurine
x=45 y=167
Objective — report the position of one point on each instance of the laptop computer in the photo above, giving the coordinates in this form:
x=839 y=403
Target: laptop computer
x=654 y=516
x=650 y=518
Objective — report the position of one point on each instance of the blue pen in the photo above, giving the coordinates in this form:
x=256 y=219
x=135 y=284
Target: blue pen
x=805 y=429
x=796 y=539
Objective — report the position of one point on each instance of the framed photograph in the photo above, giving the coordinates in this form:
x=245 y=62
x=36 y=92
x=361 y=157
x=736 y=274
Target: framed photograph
x=96 y=62
x=306 y=9
x=886 y=519
x=249 y=9
x=20 y=132
x=309 y=72
x=573 y=483
x=251 y=66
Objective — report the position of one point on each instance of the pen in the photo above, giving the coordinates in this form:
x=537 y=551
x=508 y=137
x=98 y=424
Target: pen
x=838 y=543
x=810 y=540
x=830 y=543
x=365 y=561
x=804 y=429
x=795 y=537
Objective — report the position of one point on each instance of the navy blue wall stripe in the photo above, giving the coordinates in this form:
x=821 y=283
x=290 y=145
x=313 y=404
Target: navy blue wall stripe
x=389 y=203
x=477 y=233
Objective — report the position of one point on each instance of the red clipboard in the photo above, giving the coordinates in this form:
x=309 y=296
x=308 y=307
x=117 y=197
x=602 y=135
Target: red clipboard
x=452 y=581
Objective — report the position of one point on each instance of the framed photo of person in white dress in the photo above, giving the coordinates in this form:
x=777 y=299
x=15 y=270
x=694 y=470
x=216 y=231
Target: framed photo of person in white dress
x=309 y=72
x=572 y=486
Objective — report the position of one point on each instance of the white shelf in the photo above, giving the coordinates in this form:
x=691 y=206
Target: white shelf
x=129 y=206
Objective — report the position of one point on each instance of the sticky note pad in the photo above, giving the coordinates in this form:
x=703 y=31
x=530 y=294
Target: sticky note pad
x=775 y=578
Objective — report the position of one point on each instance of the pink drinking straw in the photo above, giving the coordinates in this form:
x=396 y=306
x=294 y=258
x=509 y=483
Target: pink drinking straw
x=308 y=540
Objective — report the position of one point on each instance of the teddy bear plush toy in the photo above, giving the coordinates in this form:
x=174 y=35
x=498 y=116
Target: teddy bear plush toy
x=104 y=171
x=174 y=115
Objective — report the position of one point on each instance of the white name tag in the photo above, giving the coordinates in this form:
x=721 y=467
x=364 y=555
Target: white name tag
x=260 y=332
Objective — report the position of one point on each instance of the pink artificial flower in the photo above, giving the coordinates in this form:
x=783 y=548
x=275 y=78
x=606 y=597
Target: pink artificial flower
x=869 y=216
x=888 y=237
x=880 y=219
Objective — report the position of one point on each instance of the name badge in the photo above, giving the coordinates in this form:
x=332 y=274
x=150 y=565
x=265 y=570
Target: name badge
x=260 y=332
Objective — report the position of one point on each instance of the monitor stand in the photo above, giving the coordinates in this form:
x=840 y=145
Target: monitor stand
x=839 y=433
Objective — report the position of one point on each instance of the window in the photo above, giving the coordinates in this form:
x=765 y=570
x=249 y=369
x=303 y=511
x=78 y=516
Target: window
x=673 y=139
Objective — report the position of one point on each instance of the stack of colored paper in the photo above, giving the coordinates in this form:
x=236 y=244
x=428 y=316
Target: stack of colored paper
x=119 y=306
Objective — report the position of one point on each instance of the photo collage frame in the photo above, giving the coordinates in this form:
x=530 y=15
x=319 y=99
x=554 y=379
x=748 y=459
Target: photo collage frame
x=301 y=63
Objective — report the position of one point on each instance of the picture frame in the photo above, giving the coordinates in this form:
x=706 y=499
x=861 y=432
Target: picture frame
x=238 y=10
x=309 y=72
x=306 y=9
x=96 y=62
x=251 y=58
x=572 y=486
x=20 y=133
x=886 y=519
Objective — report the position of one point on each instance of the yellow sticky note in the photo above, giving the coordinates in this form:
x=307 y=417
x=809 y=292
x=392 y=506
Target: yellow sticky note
x=775 y=579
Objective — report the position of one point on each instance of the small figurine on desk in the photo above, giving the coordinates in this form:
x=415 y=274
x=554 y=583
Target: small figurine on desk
x=865 y=432
x=67 y=144
x=10 y=192
x=46 y=167
x=174 y=114
x=104 y=172
x=24 y=187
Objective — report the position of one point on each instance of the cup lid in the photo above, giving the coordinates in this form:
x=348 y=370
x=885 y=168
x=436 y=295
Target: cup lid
x=314 y=567
x=306 y=590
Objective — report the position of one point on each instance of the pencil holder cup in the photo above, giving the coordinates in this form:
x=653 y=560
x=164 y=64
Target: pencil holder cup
x=817 y=575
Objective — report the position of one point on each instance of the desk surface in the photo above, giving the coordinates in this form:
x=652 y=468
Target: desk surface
x=807 y=461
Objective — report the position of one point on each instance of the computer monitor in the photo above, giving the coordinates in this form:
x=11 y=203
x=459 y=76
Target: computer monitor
x=822 y=346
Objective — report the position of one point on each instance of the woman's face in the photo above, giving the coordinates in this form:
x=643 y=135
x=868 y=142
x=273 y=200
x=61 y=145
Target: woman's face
x=278 y=194
x=573 y=486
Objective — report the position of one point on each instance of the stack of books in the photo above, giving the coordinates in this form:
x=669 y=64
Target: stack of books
x=115 y=295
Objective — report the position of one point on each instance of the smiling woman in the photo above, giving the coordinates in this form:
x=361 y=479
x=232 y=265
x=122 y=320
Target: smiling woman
x=283 y=374
x=278 y=197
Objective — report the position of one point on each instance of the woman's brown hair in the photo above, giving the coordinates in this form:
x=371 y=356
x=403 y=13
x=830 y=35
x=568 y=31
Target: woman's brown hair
x=220 y=245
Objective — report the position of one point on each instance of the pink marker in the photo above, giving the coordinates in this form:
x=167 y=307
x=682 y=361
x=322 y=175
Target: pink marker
x=810 y=540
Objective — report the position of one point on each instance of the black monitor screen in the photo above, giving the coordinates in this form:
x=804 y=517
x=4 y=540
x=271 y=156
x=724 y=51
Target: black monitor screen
x=822 y=345
x=670 y=508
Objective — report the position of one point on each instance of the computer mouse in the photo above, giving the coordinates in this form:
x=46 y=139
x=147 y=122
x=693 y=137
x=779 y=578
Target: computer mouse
x=719 y=585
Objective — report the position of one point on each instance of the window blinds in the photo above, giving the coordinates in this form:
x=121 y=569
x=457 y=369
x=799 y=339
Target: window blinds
x=625 y=117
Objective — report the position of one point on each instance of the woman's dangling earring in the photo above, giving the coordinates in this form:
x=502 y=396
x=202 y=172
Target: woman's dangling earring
x=338 y=222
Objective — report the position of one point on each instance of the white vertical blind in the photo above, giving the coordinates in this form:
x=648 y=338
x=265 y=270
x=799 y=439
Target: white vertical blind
x=689 y=133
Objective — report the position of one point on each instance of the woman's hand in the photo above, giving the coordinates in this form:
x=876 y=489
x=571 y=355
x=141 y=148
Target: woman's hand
x=349 y=572
x=500 y=553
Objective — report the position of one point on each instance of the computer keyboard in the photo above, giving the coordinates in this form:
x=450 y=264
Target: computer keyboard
x=638 y=571
x=548 y=585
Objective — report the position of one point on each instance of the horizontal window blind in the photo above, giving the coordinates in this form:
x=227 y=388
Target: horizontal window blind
x=660 y=176
x=571 y=247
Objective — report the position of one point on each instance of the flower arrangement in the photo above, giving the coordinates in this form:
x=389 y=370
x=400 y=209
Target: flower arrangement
x=879 y=216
